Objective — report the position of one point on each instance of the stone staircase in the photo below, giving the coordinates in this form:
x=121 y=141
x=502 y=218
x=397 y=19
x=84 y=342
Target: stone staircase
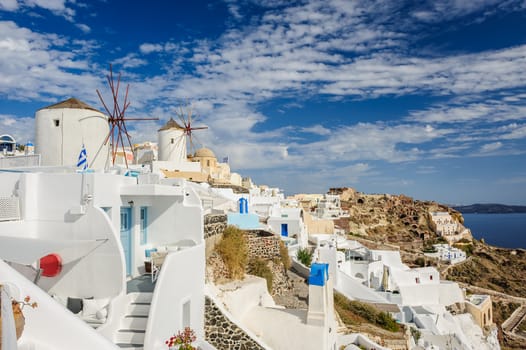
x=133 y=324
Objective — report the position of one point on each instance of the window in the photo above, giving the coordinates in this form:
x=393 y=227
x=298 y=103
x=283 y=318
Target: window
x=144 y=225
x=431 y=277
x=186 y=314
x=417 y=280
x=208 y=162
x=172 y=141
x=56 y=122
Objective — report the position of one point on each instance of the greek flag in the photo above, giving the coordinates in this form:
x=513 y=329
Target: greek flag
x=225 y=159
x=82 y=162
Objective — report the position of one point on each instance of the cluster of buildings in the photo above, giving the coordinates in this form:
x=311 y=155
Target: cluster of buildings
x=446 y=226
x=87 y=234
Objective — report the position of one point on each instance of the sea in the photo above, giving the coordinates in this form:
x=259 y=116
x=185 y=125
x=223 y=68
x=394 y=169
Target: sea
x=502 y=230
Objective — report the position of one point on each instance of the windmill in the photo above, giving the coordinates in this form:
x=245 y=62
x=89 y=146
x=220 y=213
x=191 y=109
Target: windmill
x=186 y=115
x=116 y=119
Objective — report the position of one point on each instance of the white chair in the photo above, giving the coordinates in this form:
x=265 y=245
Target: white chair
x=157 y=262
x=148 y=260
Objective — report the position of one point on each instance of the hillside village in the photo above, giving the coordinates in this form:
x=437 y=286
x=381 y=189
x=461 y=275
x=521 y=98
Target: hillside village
x=150 y=238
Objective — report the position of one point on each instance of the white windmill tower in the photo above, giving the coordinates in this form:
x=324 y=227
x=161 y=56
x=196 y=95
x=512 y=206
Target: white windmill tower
x=173 y=136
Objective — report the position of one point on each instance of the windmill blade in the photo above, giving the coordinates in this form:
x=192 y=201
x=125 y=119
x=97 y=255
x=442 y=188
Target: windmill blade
x=183 y=121
x=197 y=140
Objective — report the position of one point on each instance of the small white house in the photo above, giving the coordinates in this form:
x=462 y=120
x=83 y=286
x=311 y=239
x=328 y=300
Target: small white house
x=448 y=254
x=288 y=223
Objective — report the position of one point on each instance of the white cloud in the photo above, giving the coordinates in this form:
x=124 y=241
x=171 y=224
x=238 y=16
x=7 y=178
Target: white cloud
x=316 y=129
x=147 y=48
x=85 y=28
x=491 y=147
x=9 y=5
x=21 y=128
x=335 y=49
x=130 y=61
x=515 y=132
x=35 y=65
x=57 y=7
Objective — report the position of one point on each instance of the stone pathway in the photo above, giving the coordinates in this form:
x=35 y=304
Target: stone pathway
x=297 y=296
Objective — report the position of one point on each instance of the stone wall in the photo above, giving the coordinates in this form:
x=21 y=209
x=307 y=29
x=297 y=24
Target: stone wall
x=262 y=244
x=265 y=245
x=224 y=334
x=214 y=226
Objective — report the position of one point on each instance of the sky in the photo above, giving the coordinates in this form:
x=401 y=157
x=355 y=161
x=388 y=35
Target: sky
x=422 y=98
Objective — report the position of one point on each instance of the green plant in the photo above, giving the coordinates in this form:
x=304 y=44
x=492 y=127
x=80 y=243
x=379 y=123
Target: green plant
x=415 y=333
x=304 y=256
x=467 y=248
x=234 y=251
x=184 y=339
x=259 y=267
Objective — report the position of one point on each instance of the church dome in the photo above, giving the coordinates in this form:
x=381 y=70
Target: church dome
x=204 y=153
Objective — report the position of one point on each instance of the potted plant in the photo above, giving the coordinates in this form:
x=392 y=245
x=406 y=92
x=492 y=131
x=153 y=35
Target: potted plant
x=182 y=340
x=18 y=306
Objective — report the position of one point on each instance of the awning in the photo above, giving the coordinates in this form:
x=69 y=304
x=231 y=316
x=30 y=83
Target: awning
x=26 y=251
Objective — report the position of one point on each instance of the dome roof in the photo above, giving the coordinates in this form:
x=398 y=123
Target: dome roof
x=204 y=152
x=71 y=103
x=171 y=124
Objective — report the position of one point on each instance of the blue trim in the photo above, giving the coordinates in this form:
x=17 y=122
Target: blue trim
x=285 y=230
x=144 y=225
x=148 y=252
x=319 y=274
x=126 y=240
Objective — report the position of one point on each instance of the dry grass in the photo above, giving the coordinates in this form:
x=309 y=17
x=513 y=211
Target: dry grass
x=234 y=251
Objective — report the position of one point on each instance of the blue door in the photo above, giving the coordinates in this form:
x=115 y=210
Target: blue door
x=126 y=237
x=285 y=230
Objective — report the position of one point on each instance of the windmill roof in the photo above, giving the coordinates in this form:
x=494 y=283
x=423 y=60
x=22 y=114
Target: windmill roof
x=71 y=103
x=171 y=124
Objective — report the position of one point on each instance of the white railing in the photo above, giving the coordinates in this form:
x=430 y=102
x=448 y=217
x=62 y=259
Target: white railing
x=9 y=208
x=20 y=161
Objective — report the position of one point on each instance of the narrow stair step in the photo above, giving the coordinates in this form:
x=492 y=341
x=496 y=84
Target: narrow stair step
x=130 y=346
x=134 y=323
x=138 y=309
x=124 y=336
x=141 y=297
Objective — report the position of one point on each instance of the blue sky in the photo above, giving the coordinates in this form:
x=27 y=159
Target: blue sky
x=422 y=98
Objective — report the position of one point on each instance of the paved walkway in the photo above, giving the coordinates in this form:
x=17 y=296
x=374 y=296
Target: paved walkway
x=140 y=284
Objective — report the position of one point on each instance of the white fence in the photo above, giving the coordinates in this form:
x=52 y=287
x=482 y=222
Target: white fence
x=19 y=161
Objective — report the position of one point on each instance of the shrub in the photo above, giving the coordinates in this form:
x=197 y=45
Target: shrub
x=467 y=248
x=364 y=311
x=259 y=267
x=304 y=256
x=234 y=251
x=284 y=253
x=415 y=333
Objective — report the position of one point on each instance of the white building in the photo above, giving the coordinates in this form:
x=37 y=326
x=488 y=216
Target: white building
x=448 y=254
x=379 y=276
x=329 y=207
x=289 y=224
x=12 y=157
x=98 y=226
x=262 y=199
x=444 y=224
